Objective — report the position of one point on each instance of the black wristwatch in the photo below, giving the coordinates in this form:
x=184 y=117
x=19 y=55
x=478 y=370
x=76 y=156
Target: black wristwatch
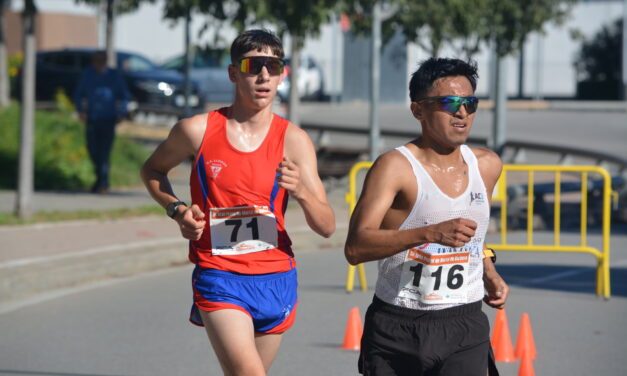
x=172 y=207
x=493 y=257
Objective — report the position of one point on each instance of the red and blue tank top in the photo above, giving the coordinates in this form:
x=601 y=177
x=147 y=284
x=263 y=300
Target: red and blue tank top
x=243 y=204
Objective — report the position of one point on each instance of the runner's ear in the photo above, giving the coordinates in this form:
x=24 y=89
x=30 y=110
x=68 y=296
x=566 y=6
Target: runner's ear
x=232 y=71
x=416 y=110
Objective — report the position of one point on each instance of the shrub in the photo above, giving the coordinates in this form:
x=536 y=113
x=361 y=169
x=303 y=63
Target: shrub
x=61 y=159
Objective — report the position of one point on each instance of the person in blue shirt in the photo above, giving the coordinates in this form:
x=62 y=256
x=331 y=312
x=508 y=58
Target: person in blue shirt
x=101 y=99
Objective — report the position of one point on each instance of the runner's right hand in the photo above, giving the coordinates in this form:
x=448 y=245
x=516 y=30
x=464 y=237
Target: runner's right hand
x=191 y=222
x=453 y=233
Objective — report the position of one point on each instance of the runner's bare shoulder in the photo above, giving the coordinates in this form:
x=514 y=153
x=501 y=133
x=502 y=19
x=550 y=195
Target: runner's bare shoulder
x=392 y=169
x=189 y=132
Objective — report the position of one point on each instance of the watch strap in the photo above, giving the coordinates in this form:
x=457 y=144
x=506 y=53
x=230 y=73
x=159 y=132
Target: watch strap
x=172 y=207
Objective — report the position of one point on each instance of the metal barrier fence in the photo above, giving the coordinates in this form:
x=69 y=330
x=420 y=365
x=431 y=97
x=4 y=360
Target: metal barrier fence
x=602 y=256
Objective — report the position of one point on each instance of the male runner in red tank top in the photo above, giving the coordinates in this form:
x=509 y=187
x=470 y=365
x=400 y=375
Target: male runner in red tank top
x=247 y=161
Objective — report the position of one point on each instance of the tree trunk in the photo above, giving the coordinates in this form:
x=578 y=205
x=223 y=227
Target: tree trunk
x=23 y=206
x=111 y=58
x=4 y=69
x=294 y=100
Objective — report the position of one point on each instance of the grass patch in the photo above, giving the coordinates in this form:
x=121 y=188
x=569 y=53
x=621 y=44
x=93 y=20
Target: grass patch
x=58 y=216
x=61 y=158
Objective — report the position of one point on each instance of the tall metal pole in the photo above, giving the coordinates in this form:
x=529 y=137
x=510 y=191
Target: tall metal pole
x=539 y=72
x=521 y=72
x=4 y=70
x=375 y=131
x=186 y=82
x=26 y=165
x=499 y=125
x=293 y=109
x=624 y=50
x=110 y=30
x=335 y=61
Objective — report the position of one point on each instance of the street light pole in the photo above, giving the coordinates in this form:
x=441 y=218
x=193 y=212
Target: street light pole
x=186 y=63
x=624 y=93
x=375 y=131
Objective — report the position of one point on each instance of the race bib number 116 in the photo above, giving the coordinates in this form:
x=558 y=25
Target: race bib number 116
x=241 y=230
x=435 y=278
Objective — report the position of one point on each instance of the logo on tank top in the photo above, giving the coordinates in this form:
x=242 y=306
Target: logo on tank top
x=215 y=166
x=476 y=198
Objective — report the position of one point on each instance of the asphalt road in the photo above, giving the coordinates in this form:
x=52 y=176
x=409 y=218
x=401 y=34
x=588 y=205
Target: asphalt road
x=139 y=326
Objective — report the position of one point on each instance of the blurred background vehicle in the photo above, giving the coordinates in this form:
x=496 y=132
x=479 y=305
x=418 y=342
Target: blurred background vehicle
x=310 y=80
x=153 y=89
x=209 y=68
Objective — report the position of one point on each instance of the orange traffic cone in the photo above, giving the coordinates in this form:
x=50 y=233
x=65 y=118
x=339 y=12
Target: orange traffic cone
x=525 y=342
x=526 y=365
x=354 y=330
x=501 y=339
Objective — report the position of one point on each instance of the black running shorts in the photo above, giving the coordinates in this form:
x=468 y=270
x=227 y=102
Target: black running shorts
x=402 y=342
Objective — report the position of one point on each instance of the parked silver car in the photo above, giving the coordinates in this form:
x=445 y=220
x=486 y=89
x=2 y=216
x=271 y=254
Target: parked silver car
x=209 y=69
x=310 y=82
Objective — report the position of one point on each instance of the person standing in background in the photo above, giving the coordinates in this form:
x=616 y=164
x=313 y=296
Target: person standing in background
x=101 y=98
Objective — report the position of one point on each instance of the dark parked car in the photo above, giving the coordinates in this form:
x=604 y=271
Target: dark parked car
x=152 y=89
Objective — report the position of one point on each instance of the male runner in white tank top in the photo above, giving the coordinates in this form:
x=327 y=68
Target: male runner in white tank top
x=423 y=213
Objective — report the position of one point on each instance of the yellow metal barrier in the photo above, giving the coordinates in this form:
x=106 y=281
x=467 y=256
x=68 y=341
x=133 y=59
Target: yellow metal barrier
x=602 y=256
x=351 y=199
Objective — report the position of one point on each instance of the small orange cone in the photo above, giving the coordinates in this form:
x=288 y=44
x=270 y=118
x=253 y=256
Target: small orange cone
x=354 y=330
x=526 y=365
x=501 y=339
x=525 y=342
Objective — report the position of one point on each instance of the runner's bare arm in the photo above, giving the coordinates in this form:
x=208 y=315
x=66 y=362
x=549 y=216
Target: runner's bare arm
x=298 y=174
x=366 y=241
x=182 y=143
x=490 y=167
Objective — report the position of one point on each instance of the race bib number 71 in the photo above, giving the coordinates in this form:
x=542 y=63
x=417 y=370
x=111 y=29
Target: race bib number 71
x=434 y=278
x=241 y=230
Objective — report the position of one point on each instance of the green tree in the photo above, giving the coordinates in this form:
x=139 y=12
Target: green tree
x=113 y=8
x=182 y=10
x=432 y=24
x=504 y=24
x=598 y=63
x=511 y=21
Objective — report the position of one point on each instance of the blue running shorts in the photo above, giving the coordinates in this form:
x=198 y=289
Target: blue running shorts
x=269 y=299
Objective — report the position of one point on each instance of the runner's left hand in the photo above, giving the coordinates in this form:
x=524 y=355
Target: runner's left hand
x=289 y=178
x=497 y=289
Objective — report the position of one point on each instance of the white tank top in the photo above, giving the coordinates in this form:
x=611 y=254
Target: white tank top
x=432 y=276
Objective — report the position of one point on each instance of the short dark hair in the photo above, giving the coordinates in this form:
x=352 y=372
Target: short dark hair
x=434 y=68
x=256 y=39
